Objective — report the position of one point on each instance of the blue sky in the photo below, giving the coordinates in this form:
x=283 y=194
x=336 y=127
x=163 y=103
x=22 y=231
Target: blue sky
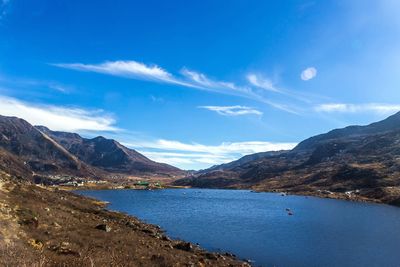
x=198 y=83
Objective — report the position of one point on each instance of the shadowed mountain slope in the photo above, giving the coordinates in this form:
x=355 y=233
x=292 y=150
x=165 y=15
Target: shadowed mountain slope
x=25 y=149
x=28 y=151
x=108 y=154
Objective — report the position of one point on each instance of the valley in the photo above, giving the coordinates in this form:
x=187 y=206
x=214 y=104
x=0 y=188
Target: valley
x=49 y=225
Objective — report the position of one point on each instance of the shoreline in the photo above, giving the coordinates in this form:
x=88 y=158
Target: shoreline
x=321 y=194
x=335 y=196
x=59 y=227
x=338 y=196
x=50 y=227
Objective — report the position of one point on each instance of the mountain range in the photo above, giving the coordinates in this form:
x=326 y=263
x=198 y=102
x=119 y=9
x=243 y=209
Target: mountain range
x=357 y=159
x=31 y=151
x=362 y=160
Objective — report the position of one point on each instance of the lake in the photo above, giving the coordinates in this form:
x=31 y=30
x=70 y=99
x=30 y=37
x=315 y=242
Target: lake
x=256 y=226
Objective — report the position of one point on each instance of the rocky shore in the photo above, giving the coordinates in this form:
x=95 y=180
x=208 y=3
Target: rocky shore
x=388 y=195
x=43 y=227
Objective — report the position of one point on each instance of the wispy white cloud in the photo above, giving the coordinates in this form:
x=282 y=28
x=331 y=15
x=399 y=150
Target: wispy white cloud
x=60 y=87
x=262 y=82
x=308 y=73
x=57 y=118
x=233 y=110
x=127 y=69
x=198 y=78
x=137 y=70
x=187 y=78
x=357 y=108
x=201 y=81
x=195 y=155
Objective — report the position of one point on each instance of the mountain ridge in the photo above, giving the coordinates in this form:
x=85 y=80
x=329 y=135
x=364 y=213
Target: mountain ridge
x=365 y=159
x=107 y=154
x=35 y=151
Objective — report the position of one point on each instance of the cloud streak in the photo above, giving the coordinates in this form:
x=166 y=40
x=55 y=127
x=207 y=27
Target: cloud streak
x=127 y=69
x=266 y=84
x=357 y=108
x=57 y=118
x=233 y=110
x=262 y=82
x=187 y=78
x=201 y=81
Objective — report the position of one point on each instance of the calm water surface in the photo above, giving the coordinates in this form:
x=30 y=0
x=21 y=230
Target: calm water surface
x=256 y=226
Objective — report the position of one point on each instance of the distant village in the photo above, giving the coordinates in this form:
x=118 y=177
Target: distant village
x=68 y=181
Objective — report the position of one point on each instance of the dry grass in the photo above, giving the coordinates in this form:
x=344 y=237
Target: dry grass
x=58 y=228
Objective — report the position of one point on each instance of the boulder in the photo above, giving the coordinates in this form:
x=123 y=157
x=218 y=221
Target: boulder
x=186 y=246
x=103 y=227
